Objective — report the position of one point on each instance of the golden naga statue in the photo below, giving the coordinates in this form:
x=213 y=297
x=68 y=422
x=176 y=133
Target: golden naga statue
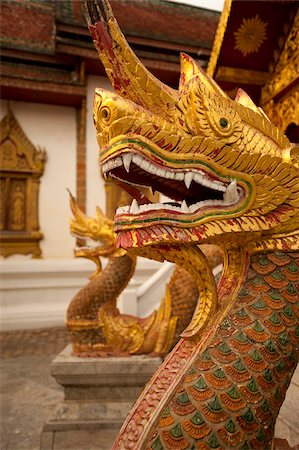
x=94 y=323
x=234 y=181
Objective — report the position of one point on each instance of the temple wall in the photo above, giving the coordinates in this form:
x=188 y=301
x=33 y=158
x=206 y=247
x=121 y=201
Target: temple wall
x=54 y=129
x=36 y=292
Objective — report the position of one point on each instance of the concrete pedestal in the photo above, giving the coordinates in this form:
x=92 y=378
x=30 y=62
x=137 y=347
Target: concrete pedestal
x=98 y=394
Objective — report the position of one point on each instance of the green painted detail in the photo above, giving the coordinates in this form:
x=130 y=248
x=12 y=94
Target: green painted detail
x=291 y=288
x=253 y=386
x=281 y=367
x=197 y=419
x=224 y=348
x=241 y=337
x=270 y=346
x=166 y=412
x=263 y=261
x=206 y=355
x=260 y=436
x=245 y=446
x=214 y=405
x=248 y=416
x=258 y=327
x=213 y=441
x=258 y=281
x=289 y=312
x=265 y=406
x=176 y=431
x=280 y=255
x=233 y=392
x=200 y=384
x=183 y=398
x=157 y=445
x=259 y=304
x=255 y=355
x=275 y=295
x=267 y=375
x=277 y=394
x=231 y=426
x=293 y=267
x=243 y=292
x=239 y=366
x=219 y=373
x=277 y=275
x=242 y=313
x=274 y=318
x=284 y=338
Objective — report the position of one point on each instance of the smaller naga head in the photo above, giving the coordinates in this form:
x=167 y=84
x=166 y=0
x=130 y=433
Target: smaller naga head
x=228 y=173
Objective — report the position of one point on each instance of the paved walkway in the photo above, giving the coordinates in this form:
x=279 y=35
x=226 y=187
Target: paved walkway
x=29 y=393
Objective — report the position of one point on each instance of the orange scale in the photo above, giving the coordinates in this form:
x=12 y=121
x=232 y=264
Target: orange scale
x=263 y=270
x=217 y=383
x=250 y=397
x=236 y=375
x=241 y=347
x=291 y=276
x=200 y=395
x=223 y=357
x=247 y=427
x=174 y=443
x=233 y=404
x=292 y=298
x=182 y=409
x=196 y=431
x=273 y=304
x=256 y=366
x=278 y=261
x=273 y=327
x=166 y=421
x=276 y=284
x=270 y=357
x=230 y=439
x=257 y=336
x=213 y=416
x=263 y=417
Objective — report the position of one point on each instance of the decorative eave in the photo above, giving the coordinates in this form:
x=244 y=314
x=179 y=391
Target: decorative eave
x=239 y=61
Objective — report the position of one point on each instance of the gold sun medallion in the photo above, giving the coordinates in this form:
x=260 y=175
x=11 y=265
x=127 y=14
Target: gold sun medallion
x=250 y=35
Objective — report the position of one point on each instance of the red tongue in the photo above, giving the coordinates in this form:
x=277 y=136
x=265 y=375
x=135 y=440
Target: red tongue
x=135 y=193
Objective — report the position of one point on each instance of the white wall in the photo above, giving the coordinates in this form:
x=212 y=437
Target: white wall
x=53 y=128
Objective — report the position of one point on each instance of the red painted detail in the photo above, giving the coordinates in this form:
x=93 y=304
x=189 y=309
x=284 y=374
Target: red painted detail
x=216 y=151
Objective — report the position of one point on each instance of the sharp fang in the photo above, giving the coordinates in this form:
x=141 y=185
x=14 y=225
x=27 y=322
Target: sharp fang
x=185 y=207
x=231 y=194
x=127 y=158
x=188 y=179
x=134 y=209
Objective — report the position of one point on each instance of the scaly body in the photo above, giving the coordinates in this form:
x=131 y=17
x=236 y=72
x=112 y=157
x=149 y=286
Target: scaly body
x=234 y=181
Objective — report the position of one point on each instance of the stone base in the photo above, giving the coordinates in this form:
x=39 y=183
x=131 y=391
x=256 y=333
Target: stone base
x=98 y=394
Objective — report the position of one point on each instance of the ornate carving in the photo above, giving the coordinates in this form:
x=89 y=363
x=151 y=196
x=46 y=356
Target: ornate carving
x=287 y=67
x=244 y=76
x=285 y=111
x=21 y=166
x=233 y=180
x=222 y=24
x=250 y=35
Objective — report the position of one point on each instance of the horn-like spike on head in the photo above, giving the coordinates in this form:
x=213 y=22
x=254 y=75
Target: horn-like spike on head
x=128 y=75
x=243 y=99
x=190 y=69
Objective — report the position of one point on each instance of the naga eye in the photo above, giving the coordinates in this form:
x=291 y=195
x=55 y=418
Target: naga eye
x=223 y=122
x=105 y=113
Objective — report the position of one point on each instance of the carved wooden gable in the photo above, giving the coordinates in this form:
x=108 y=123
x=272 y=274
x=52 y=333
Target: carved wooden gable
x=21 y=166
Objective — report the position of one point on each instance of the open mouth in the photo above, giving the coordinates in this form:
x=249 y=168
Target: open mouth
x=191 y=190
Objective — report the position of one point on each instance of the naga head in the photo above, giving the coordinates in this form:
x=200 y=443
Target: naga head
x=228 y=172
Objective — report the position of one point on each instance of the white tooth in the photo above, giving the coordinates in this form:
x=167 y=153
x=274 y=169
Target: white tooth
x=179 y=176
x=199 y=178
x=127 y=158
x=134 y=209
x=169 y=174
x=231 y=194
x=160 y=172
x=151 y=168
x=185 y=207
x=137 y=160
x=144 y=164
x=188 y=178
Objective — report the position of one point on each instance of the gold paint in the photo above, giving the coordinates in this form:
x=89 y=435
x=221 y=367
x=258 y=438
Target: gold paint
x=21 y=165
x=250 y=35
x=242 y=76
x=222 y=24
x=286 y=69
